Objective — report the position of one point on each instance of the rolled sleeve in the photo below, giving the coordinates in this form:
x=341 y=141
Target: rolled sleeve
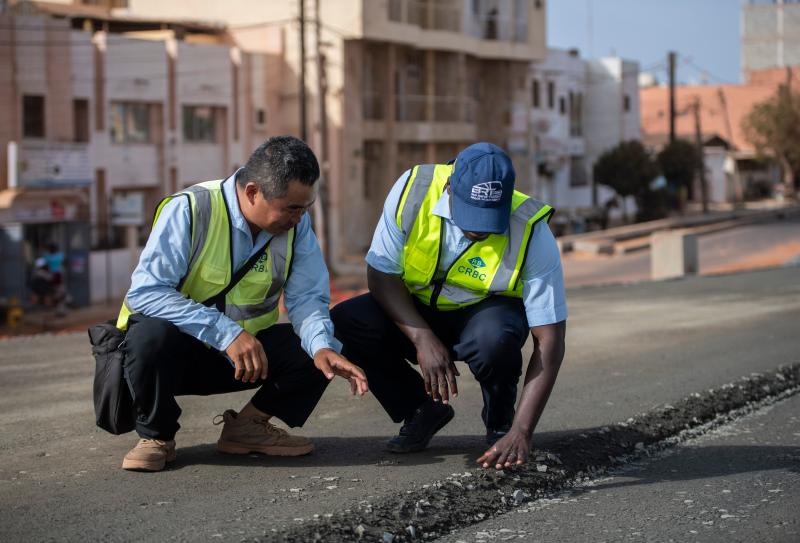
x=307 y=293
x=386 y=251
x=543 y=280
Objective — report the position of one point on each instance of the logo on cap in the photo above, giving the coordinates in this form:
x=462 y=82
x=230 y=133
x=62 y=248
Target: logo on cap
x=477 y=262
x=490 y=191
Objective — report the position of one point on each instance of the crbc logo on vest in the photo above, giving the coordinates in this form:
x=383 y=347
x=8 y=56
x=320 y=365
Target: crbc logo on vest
x=473 y=271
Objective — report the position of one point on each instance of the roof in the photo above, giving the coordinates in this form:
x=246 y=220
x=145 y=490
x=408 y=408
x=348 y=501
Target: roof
x=722 y=110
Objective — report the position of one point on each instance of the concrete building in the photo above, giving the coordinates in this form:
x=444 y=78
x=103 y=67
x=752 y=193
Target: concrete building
x=579 y=109
x=770 y=34
x=103 y=124
x=406 y=81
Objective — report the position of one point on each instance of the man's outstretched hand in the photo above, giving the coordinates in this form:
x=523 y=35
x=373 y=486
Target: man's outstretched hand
x=331 y=363
x=510 y=450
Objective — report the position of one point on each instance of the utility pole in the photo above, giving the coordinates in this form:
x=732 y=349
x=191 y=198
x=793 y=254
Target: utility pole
x=698 y=136
x=302 y=90
x=321 y=207
x=671 y=59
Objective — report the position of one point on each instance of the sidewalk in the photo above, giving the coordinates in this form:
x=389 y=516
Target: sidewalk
x=633 y=237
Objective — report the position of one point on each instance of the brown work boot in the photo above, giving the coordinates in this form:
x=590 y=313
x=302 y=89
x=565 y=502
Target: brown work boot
x=242 y=435
x=150 y=455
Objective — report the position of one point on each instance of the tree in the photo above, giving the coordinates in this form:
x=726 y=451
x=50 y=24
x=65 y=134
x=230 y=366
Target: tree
x=773 y=128
x=679 y=162
x=628 y=169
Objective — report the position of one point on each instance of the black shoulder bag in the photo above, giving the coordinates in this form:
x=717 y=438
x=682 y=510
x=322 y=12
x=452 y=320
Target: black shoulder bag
x=113 y=402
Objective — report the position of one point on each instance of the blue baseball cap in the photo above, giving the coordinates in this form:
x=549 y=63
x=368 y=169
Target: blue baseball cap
x=481 y=186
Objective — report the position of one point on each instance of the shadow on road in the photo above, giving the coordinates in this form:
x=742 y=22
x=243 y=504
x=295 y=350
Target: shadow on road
x=338 y=451
x=708 y=462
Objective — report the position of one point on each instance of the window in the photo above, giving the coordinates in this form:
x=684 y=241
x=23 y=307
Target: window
x=130 y=122
x=261 y=117
x=562 y=105
x=32 y=116
x=577 y=172
x=373 y=168
x=198 y=124
x=551 y=95
x=535 y=92
x=80 y=120
x=626 y=102
x=575 y=114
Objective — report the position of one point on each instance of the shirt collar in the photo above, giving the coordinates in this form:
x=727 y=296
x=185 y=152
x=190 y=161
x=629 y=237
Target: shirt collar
x=442 y=207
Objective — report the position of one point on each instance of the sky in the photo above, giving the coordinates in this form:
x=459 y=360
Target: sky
x=704 y=34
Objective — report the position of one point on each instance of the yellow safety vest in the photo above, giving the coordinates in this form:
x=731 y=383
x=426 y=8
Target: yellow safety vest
x=253 y=302
x=484 y=268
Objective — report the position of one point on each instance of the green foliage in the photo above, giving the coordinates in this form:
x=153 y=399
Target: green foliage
x=626 y=168
x=629 y=169
x=679 y=162
x=773 y=128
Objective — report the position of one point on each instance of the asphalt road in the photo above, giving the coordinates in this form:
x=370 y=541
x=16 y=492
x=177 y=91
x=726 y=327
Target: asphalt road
x=740 y=482
x=629 y=349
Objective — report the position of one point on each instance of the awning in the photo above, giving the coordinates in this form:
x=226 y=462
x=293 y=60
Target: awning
x=30 y=206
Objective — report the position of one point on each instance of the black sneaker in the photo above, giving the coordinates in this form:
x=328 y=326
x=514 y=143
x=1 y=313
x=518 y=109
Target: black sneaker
x=417 y=431
x=492 y=435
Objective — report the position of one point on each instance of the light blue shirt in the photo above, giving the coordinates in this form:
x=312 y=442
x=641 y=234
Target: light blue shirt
x=165 y=260
x=542 y=276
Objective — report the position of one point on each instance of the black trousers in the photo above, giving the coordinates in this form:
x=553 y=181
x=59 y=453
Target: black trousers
x=161 y=362
x=488 y=336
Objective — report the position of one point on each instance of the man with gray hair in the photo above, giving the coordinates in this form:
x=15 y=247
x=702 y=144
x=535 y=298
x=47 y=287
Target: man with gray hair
x=201 y=314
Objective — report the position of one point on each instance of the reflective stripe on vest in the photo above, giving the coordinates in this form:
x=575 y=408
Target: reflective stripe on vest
x=484 y=268
x=253 y=302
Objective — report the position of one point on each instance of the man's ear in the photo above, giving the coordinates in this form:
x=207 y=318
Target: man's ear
x=250 y=191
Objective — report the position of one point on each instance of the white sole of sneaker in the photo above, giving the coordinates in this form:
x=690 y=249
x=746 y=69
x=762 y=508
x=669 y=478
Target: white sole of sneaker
x=144 y=465
x=229 y=447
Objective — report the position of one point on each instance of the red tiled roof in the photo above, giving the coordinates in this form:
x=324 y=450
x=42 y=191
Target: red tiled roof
x=722 y=109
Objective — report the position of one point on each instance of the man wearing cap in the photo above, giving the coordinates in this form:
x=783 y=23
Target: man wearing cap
x=461 y=266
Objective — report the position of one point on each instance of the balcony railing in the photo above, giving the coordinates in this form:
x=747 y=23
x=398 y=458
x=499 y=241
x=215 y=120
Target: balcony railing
x=415 y=108
x=496 y=28
x=446 y=15
x=437 y=15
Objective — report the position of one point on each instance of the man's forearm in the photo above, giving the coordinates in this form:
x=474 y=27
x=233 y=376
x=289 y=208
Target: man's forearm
x=192 y=318
x=540 y=376
x=393 y=296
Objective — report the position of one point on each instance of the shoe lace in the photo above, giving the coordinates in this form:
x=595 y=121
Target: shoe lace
x=269 y=427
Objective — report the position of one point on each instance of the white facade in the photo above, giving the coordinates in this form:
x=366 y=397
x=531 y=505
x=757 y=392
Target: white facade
x=612 y=113
x=579 y=109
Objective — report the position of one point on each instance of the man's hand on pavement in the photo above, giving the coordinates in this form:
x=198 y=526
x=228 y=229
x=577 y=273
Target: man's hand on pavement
x=510 y=450
x=331 y=363
x=438 y=371
x=248 y=357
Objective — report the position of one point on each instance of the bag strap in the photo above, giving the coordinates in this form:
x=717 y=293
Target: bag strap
x=218 y=300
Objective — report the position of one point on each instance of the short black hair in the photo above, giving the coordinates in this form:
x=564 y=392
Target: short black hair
x=277 y=162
